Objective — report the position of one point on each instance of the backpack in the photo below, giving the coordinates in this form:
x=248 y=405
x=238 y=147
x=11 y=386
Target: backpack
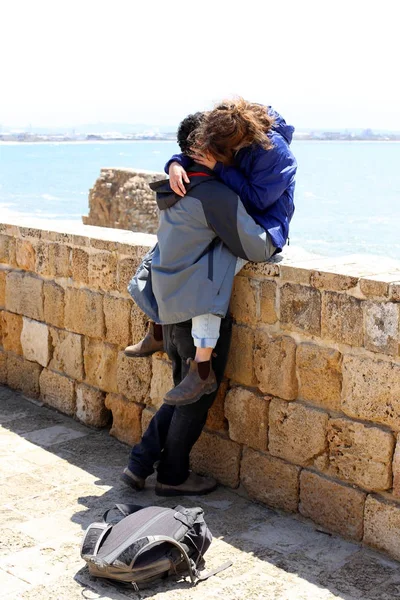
x=148 y=544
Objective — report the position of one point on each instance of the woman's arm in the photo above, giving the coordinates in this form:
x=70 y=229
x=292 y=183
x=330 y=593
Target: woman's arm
x=182 y=159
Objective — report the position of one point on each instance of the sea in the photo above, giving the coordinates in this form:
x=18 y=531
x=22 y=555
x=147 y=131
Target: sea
x=347 y=193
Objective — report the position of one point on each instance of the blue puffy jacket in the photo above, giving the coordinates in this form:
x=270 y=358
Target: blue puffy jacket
x=264 y=180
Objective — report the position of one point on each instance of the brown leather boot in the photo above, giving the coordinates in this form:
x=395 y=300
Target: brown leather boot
x=134 y=481
x=149 y=344
x=195 y=485
x=193 y=387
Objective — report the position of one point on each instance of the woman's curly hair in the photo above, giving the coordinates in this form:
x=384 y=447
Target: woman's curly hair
x=232 y=124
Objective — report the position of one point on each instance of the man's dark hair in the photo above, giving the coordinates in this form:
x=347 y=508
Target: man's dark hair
x=186 y=129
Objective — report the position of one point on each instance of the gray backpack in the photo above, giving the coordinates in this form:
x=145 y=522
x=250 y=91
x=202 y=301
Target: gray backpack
x=145 y=545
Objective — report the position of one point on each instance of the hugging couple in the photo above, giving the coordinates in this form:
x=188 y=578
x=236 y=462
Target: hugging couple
x=228 y=200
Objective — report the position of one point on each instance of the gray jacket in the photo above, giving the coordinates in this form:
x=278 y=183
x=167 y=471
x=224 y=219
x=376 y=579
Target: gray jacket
x=190 y=271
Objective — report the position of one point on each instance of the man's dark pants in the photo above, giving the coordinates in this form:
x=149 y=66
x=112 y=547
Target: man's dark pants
x=173 y=431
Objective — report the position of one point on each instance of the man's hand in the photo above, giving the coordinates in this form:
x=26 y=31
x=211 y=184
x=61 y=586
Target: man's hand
x=177 y=175
x=204 y=159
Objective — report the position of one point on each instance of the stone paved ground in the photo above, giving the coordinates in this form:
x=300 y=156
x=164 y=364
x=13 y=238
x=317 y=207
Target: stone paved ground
x=58 y=476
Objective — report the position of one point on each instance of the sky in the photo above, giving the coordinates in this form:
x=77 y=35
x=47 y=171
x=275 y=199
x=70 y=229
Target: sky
x=322 y=64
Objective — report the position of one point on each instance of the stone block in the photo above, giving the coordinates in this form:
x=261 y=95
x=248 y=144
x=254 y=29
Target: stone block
x=42 y=266
x=53 y=303
x=138 y=323
x=332 y=281
x=300 y=308
x=35 y=341
x=382 y=526
x=58 y=391
x=100 y=362
x=7 y=250
x=360 y=454
x=336 y=507
x=297 y=433
x=134 y=377
x=103 y=271
x=84 y=312
x=126 y=419
x=59 y=260
x=80 y=265
x=240 y=366
x=67 y=353
x=342 y=318
x=24 y=295
x=127 y=267
x=161 y=381
x=371 y=390
x=3 y=276
x=394 y=291
x=25 y=255
x=23 y=375
x=247 y=414
x=275 y=365
x=3 y=367
x=117 y=312
x=295 y=274
x=382 y=327
x=270 y=480
x=245 y=300
x=319 y=372
x=216 y=456
x=147 y=416
x=11 y=329
x=216 y=420
x=268 y=312
x=90 y=406
x=396 y=470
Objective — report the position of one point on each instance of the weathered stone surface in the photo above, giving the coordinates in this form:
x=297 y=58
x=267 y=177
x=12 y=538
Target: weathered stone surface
x=396 y=470
x=332 y=281
x=67 y=353
x=134 y=377
x=11 y=329
x=80 y=265
x=275 y=365
x=360 y=454
x=24 y=295
x=3 y=367
x=244 y=300
x=117 y=312
x=103 y=271
x=60 y=260
x=127 y=267
x=58 y=391
x=371 y=390
x=247 y=414
x=147 y=416
x=138 y=323
x=126 y=424
x=216 y=420
x=218 y=457
x=382 y=327
x=394 y=292
x=53 y=303
x=3 y=276
x=35 y=341
x=320 y=375
x=295 y=274
x=90 y=406
x=42 y=266
x=7 y=250
x=161 y=381
x=268 y=312
x=342 y=318
x=25 y=255
x=84 y=312
x=300 y=308
x=240 y=362
x=23 y=375
x=100 y=362
x=382 y=525
x=337 y=507
x=297 y=433
x=270 y=480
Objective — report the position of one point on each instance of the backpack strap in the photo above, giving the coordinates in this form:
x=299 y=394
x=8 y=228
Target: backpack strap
x=203 y=576
x=124 y=509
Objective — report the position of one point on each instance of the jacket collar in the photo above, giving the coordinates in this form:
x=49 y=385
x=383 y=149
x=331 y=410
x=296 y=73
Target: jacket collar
x=166 y=197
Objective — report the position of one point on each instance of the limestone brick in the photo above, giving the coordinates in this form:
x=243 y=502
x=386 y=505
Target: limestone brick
x=161 y=381
x=3 y=276
x=126 y=419
x=60 y=260
x=216 y=420
x=100 y=362
x=295 y=274
x=216 y=456
x=268 y=302
x=43 y=266
x=147 y=416
x=240 y=365
x=382 y=526
x=275 y=365
x=67 y=353
x=371 y=390
x=35 y=341
x=80 y=265
x=270 y=480
x=134 y=377
x=332 y=281
x=127 y=267
x=297 y=433
x=90 y=406
x=382 y=327
x=7 y=250
x=396 y=470
x=336 y=507
x=58 y=391
x=244 y=300
x=11 y=328
x=23 y=375
x=138 y=323
x=3 y=367
x=53 y=303
x=84 y=312
x=394 y=291
x=103 y=271
x=319 y=372
x=24 y=295
x=25 y=255
x=247 y=414
x=342 y=318
x=300 y=308
x=117 y=312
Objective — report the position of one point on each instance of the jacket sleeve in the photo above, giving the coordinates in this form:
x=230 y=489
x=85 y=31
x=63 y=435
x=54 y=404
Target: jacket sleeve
x=182 y=159
x=272 y=172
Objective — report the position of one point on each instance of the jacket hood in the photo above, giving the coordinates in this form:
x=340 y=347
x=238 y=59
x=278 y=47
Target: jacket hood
x=280 y=125
x=166 y=197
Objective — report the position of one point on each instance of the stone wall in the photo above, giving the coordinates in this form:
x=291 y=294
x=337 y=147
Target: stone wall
x=309 y=414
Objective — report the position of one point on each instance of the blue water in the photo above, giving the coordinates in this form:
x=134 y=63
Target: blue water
x=347 y=195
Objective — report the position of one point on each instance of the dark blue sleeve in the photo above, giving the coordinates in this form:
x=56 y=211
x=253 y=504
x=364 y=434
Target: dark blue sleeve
x=272 y=172
x=182 y=159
